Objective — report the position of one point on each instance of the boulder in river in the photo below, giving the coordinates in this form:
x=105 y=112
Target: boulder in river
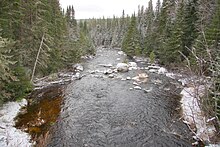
x=132 y=65
x=121 y=53
x=111 y=76
x=77 y=76
x=78 y=67
x=137 y=88
x=122 y=67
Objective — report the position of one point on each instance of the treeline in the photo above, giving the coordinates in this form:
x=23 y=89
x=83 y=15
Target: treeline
x=36 y=38
x=169 y=29
x=177 y=33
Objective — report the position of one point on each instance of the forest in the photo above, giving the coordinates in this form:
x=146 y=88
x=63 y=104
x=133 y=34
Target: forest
x=38 y=38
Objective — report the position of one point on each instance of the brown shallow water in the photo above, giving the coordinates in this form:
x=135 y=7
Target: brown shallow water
x=41 y=113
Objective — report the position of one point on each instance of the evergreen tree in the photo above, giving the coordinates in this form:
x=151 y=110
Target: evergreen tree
x=5 y=72
x=149 y=36
x=131 y=43
x=190 y=27
x=175 y=43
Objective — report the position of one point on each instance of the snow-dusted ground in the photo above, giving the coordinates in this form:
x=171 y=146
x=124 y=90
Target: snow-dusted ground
x=193 y=116
x=192 y=113
x=9 y=135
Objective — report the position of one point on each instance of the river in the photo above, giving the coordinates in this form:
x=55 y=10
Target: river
x=112 y=110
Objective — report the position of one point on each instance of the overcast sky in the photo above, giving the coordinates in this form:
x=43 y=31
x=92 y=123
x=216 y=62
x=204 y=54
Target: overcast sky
x=99 y=8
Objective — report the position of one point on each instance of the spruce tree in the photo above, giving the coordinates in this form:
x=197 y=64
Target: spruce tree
x=190 y=32
x=149 y=36
x=131 y=43
x=175 y=43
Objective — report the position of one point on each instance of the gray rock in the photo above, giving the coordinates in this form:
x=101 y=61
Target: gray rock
x=132 y=64
x=108 y=71
x=137 y=88
x=111 y=76
x=77 y=76
x=123 y=79
x=78 y=67
x=135 y=83
x=121 y=53
x=122 y=67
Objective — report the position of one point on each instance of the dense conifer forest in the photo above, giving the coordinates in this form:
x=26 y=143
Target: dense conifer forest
x=37 y=38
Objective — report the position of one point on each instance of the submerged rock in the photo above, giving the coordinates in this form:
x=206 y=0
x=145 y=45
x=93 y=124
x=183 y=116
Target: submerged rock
x=148 y=90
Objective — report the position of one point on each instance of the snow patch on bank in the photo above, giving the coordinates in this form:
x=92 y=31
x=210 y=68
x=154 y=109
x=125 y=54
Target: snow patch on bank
x=192 y=113
x=9 y=135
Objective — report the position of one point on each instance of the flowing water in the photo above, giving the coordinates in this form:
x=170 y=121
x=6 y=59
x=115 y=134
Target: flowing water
x=99 y=110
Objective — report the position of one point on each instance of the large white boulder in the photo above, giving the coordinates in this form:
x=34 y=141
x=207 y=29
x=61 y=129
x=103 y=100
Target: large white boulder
x=122 y=67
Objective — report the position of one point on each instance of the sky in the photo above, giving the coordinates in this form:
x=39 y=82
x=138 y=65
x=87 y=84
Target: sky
x=98 y=8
